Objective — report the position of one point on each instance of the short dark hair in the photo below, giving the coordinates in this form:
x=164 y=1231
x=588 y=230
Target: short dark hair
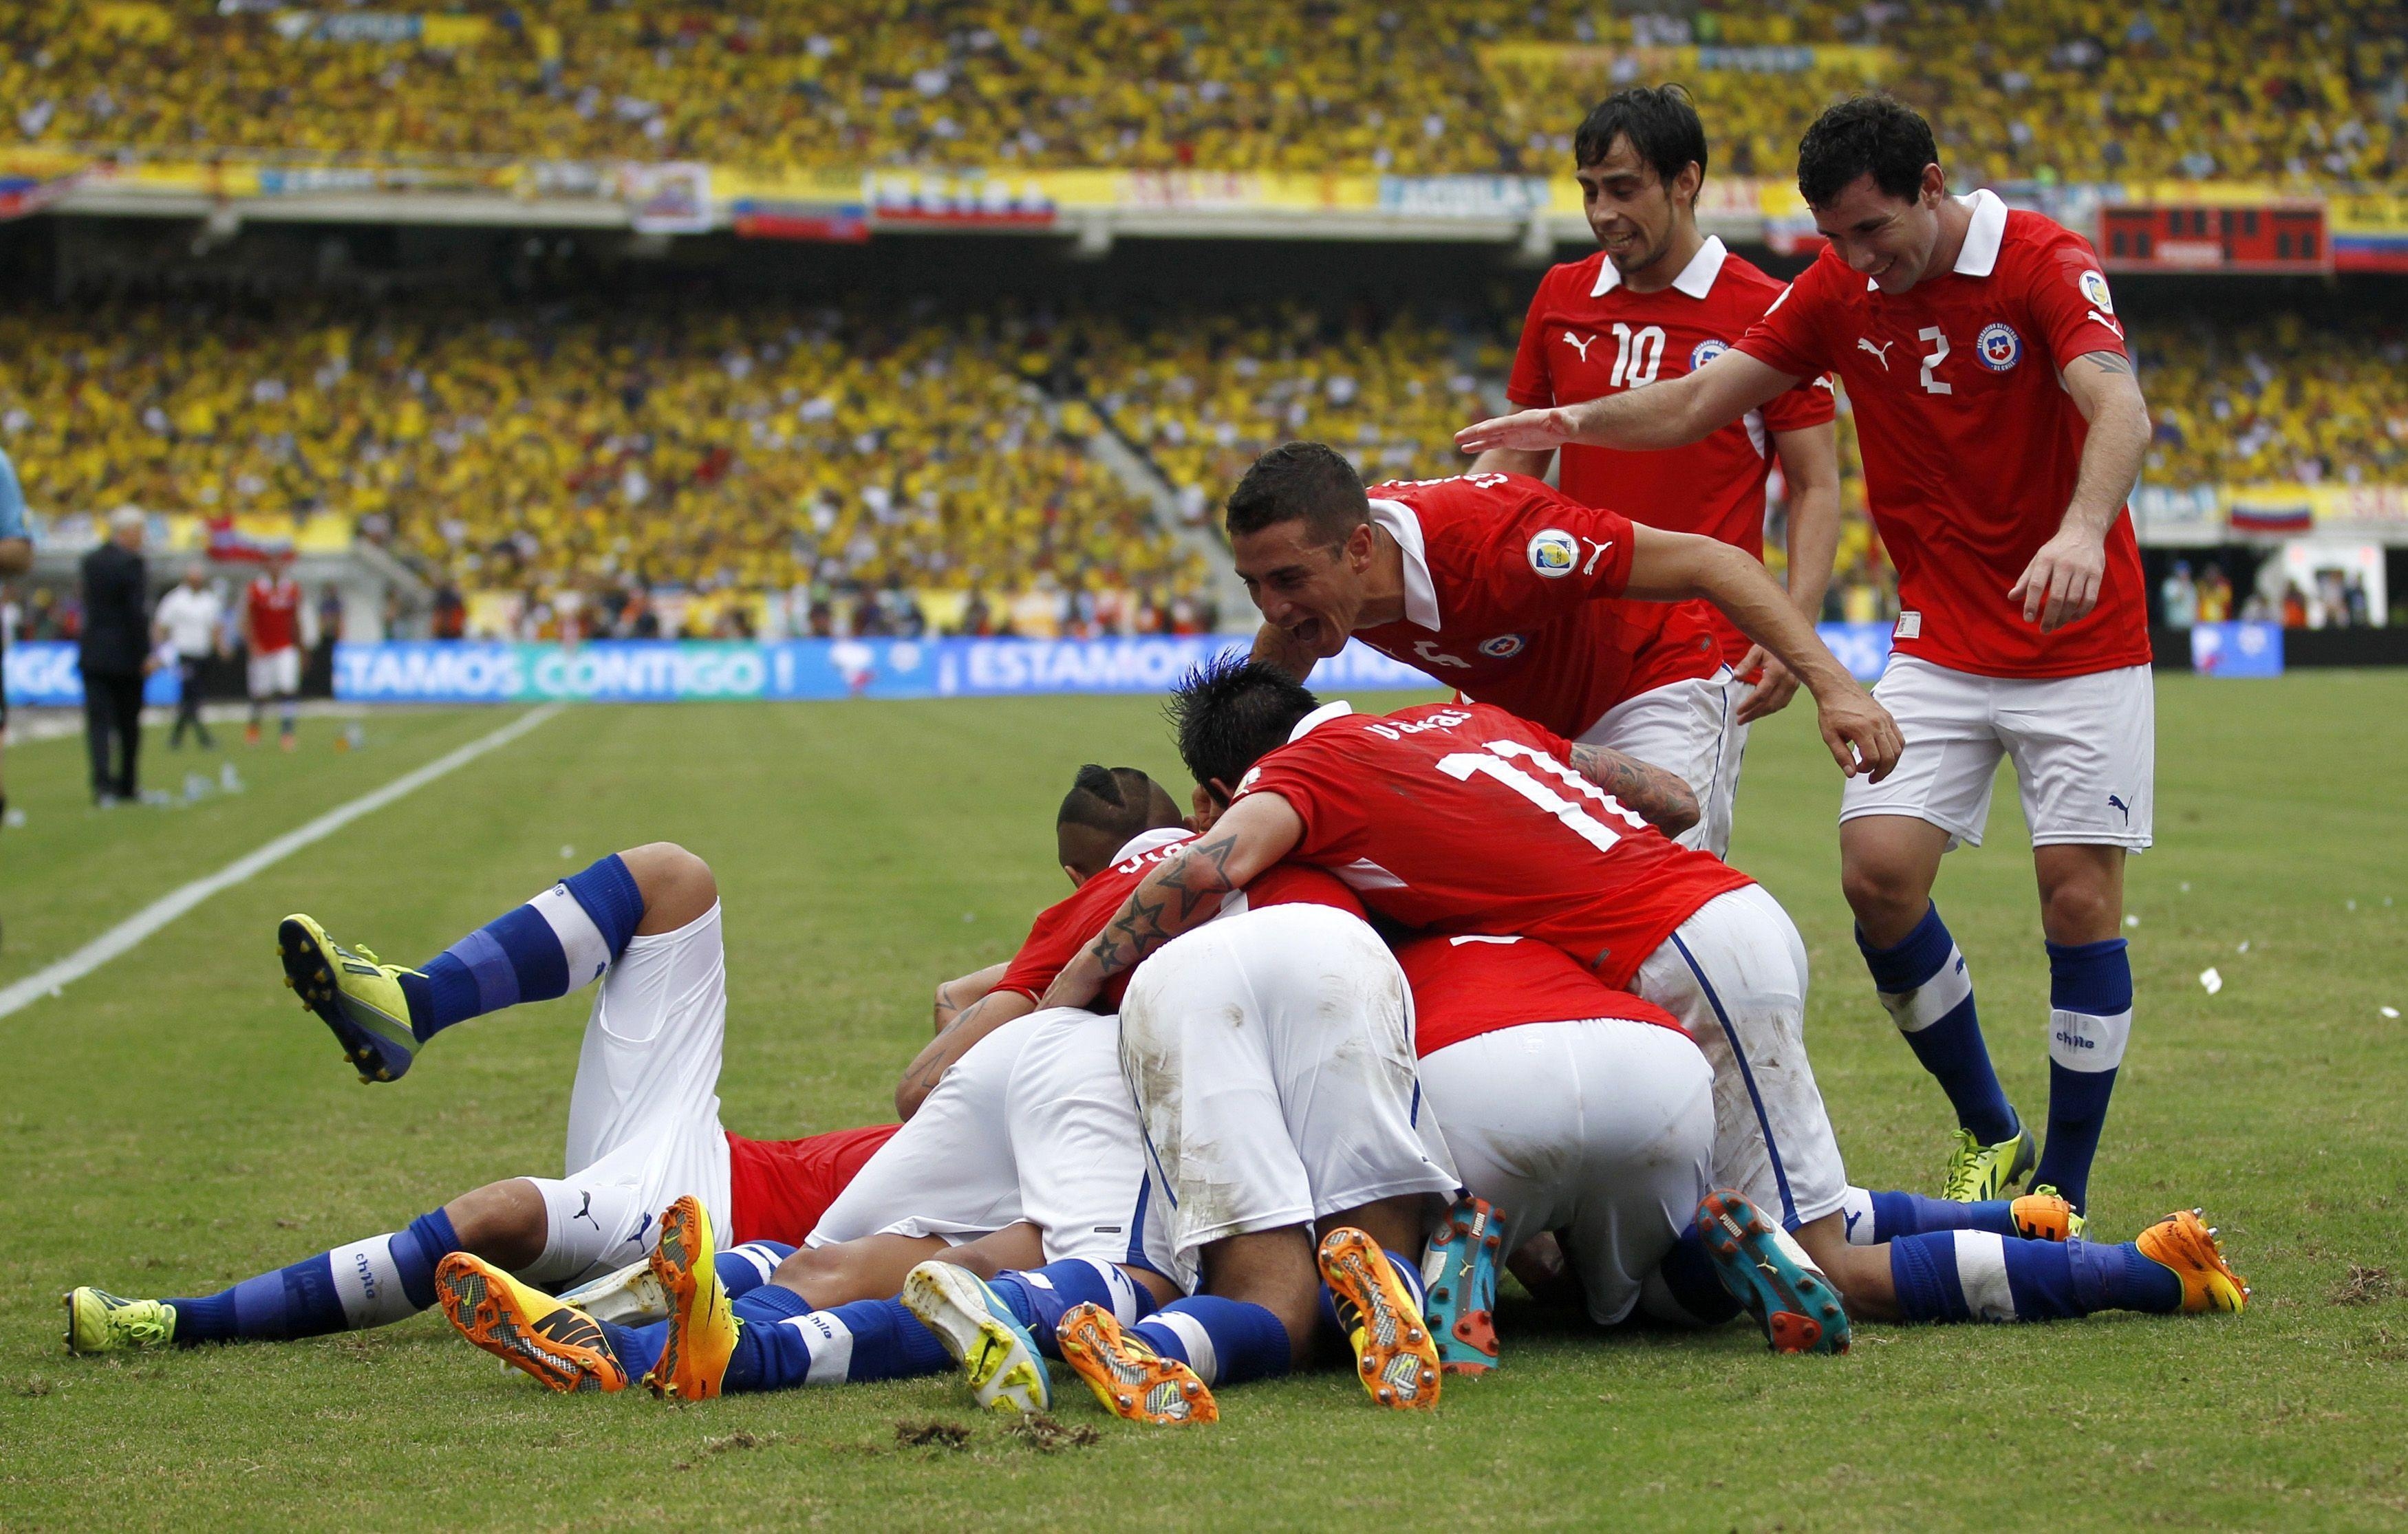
x=1868 y=135
x=1660 y=121
x=1310 y=480
x=1122 y=803
x=1233 y=710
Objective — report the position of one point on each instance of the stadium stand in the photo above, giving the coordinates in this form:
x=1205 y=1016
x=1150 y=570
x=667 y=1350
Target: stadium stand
x=2231 y=88
x=2278 y=398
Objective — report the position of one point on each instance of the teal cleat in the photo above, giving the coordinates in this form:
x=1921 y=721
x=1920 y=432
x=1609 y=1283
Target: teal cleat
x=1459 y=1271
x=1771 y=1274
x=999 y=1357
x=357 y=996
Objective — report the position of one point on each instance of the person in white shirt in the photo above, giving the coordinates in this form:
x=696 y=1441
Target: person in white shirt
x=190 y=625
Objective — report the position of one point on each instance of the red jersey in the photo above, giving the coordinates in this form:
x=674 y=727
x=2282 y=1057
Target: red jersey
x=1464 y=818
x=1465 y=986
x=275 y=607
x=1970 y=443
x=778 y=1189
x=1512 y=598
x=1588 y=336
x=1062 y=929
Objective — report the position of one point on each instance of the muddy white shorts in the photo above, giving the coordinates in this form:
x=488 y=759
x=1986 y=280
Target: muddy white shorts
x=1692 y=728
x=2084 y=750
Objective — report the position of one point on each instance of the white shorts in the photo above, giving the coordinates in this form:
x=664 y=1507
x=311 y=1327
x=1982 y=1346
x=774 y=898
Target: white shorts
x=2085 y=749
x=1692 y=728
x=1734 y=975
x=643 y=1118
x=1271 y=1056
x=1602 y=1131
x=276 y=673
x=1033 y=1122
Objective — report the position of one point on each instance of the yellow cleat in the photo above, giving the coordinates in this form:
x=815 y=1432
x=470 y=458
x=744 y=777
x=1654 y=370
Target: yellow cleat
x=702 y=1326
x=526 y=1328
x=1394 y=1351
x=999 y=1357
x=100 y=1321
x=355 y=995
x=2041 y=1216
x=2185 y=1243
x=1132 y=1380
x=1978 y=1173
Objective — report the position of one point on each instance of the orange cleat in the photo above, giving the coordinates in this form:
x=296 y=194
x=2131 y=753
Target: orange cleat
x=702 y=1326
x=526 y=1328
x=1132 y=1380
x=2045 y=1218
x=1393 y=1349
x=2186 y=1245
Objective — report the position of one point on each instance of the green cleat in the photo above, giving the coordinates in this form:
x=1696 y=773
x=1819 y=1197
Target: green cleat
x=99 y=1322
x=1978 y=1172
x=355 y=995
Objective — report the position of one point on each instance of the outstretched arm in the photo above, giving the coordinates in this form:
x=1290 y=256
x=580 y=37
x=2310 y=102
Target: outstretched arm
x=2061 y=583
x=1661 y=415
x=966 y=990
x=1184 y=890
x=1658 y=796
x=1810 y=465
x=975 y=1023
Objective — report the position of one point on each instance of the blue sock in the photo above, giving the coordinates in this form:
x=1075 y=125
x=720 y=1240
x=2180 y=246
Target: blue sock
x=1975 y=1276
x=1225 y=1341
x=1040 y=1297
x=639 y=1347
x=1928 y=994
x=785 y=1344
x=2089 y=1021
x=366 y=1284
x=1872 y=1218
x=561 y=940
x=746 y=1267
x=1688 y=1275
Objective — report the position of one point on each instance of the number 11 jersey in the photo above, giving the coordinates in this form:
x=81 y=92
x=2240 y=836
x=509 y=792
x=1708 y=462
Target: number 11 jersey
x=1465 y=818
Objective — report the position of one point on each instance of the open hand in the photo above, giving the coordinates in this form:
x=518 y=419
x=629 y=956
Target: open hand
x=2061 y=583
x=1524 y=431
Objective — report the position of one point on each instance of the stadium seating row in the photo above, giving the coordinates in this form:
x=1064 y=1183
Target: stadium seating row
x=2019 y=88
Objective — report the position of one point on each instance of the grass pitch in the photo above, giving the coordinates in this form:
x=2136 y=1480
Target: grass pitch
x=173 y=1122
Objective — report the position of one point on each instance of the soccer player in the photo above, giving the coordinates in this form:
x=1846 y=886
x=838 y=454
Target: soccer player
x=1658 y=300
x=1512 y=594
x=16 y=558
x=2001 y=428
x=271 y=635
x=643 y=1116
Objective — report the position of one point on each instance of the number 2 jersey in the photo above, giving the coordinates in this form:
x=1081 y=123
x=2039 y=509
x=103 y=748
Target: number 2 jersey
x=1513 y=596
x=1464 y=818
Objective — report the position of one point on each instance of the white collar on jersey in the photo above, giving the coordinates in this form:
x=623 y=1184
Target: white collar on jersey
x=1697 y=279
x=1146 y=842
x=1421 y=591
x=1983 y=237
x=1319 y=717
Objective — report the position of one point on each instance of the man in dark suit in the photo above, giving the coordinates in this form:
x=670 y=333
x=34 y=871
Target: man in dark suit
x=116 y=653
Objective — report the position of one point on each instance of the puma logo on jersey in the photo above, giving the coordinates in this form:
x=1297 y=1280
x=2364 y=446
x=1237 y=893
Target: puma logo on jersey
x=1578 y=345
x=1881 y=352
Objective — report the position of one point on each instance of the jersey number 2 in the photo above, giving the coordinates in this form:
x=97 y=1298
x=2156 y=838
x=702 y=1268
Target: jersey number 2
x=1937 y=354
x=1495 y=761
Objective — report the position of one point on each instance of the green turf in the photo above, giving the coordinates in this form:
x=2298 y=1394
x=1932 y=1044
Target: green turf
x=173 y=1122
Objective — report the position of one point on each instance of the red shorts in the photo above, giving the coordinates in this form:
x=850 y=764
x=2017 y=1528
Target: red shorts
x=778 y=1189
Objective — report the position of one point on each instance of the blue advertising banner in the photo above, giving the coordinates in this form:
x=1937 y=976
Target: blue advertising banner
x=2237 y=650
x=44 y=671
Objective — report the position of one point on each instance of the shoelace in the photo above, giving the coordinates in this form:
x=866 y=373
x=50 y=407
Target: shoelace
x=1964 y=1169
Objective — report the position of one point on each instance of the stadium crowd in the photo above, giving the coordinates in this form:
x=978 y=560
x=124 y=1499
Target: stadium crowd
x=2035 y=89
x=2276 y=399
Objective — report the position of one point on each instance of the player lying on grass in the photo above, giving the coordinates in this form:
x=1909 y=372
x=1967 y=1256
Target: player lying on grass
x=1463 y=818
x=643 y=1116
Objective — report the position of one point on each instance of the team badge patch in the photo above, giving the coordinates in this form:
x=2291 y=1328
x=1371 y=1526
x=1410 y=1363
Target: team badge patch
x=1553 y=552
x=1708 y=350
x=1503 y=647
x=1998 y=347
x=2094 y=287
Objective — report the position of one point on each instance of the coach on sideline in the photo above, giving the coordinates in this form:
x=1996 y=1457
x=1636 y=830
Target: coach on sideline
x=116 y=653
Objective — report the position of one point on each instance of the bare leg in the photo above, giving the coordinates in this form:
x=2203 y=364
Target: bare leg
x=1860 y=1273
x=1888 y=865
x=872 y=1267
x=1275 y=1269
x=2081 y=892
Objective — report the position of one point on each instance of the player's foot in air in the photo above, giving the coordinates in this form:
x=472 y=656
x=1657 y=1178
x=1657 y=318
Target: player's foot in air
x=2042 y=1215
x=1979 y=1172
x=629 y=1297
x=1394 y=1351
x=702 y=1326
x=999 y=1357
x=1460 y=1271
x=1771 y=1274
x=100 y=1321
x=526 y=1328
x=354 y=993
x=2186 y=1245
x=1131 y=1380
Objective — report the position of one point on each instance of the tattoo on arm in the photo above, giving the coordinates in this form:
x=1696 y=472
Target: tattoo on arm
x=2107 y=362
x=1199 y=875
x=1660 y=798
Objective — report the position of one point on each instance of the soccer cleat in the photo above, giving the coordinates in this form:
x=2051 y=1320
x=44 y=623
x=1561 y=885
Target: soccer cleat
x=526 y=1328
x=1979 y=1172
x=353 y=993
x=1394 y=1351
x=100 y=1321
x=629 y=1297
x=702 y=1326
x=2042 y=1215
x=1769 y=1273
x=1131 y=1380
x=999 y=1357
x=1459 y=1271
x=2186 y=1245
x=250 y=735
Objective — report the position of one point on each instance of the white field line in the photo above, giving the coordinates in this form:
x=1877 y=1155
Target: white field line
x=151 y=918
